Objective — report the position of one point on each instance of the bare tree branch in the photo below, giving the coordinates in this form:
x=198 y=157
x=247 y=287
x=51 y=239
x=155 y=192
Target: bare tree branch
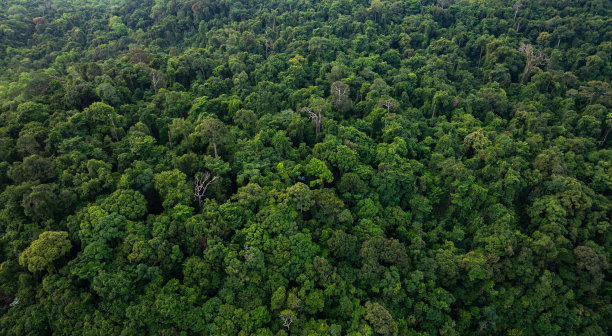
x=110 y=116
x=156 y=78
x=201 y=184
x=340 y=89
x=388 y=104
x=533 y=58
x=314 y=116
x=269 y=47
x=517 y=7
x=287 y=319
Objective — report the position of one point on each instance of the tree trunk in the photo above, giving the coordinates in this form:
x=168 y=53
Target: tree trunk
x=525 y=73
x=603 y=141
x=170 y=139
x=516 y=12
x=114 y=128
x=433 y=111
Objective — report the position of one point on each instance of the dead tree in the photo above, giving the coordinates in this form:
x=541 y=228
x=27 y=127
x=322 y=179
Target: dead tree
x=40 y=24
x=340 y=96
x=388 y=104
x=287 y=319
x=156 y=78
x=269 y=47
x=201 y=184
x=533 y=58
x=110 y=116
x=314 y=116
x=340 y=90
x=517 y=7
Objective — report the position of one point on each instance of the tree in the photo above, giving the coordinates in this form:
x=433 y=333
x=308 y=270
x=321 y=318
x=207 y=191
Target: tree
x=31 y=138
x=214 y=131
x=593 y=264
x=173 y=188
x=108 y=94
x=246 y=119
x=128 y=203
x=377 y=8
x=319 y=46
x=79 y=96
x=33 y=167
x=114 y=287
x=277 y=301
x=376 y=253
x=180 y=126
x=441 y=99
x=109 y=229
x=319 y=170
x=30 y=111
x=139 y=55
x=44 y=251
x=102 y=117
x=380 y=319
x=41 y=203
x=301 y=196
x=314 y=302
x=343 y=245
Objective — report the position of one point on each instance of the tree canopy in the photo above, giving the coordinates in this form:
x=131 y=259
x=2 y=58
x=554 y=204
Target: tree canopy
x=334 y=167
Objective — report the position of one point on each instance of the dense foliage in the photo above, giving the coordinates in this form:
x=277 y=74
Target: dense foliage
x=268 y=167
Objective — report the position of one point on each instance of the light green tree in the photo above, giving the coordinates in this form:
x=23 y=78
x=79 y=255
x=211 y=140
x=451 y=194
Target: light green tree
x=318 y=169
x=41 y=254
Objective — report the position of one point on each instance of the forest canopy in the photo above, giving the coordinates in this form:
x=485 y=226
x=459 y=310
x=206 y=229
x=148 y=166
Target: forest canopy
x=296 y=167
